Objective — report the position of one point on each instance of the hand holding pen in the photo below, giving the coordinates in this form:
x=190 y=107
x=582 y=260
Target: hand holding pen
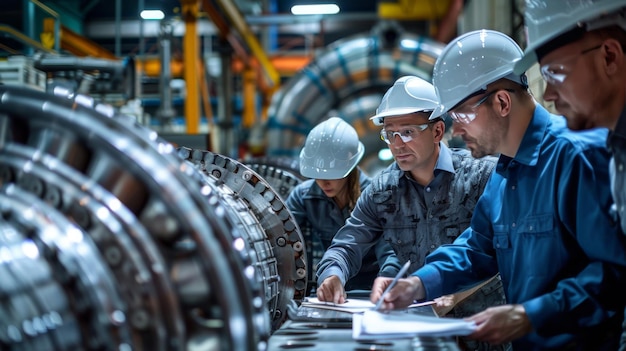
x=391 y=285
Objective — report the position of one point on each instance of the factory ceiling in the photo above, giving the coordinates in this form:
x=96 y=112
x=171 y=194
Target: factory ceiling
x=96 y=20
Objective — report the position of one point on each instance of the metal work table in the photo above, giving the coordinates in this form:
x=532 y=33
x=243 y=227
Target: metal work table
x=313 y=329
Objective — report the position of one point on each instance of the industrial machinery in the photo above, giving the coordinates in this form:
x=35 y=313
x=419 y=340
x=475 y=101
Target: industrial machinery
x=112 y=241
x=277 y=243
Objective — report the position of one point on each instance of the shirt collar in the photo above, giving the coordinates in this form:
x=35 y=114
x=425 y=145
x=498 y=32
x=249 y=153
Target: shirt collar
x=530 y=147
x=444 y=161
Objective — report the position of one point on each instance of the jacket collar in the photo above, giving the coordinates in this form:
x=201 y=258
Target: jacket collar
x=530 y=147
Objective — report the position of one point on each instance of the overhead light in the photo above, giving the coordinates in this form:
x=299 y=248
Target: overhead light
x=152 y=14
x=318 y=9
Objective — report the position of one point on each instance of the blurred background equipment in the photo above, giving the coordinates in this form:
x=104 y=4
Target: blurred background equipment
x=348 y=80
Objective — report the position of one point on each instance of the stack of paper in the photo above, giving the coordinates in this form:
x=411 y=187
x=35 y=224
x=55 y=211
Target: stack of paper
x=377 y=325
x=351 y=305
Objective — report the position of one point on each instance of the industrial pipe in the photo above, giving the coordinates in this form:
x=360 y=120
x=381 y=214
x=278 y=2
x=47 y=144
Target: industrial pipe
x=347 y=80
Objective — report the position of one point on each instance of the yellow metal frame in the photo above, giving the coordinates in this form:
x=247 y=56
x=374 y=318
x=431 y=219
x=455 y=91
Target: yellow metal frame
x=413 y=9
x=236 y=18
x=190 y=12
x=78 y=44
x=24 y=38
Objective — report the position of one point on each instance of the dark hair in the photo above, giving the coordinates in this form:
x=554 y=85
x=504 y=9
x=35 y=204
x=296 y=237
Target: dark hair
x=577 y=33
x=353 y=186
x=436 y=119
x=615 y=32
x=568 y=37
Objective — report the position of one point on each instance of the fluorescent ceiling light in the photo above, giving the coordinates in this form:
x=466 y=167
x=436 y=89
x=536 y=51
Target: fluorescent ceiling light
x=319 y=9
x=152 y=14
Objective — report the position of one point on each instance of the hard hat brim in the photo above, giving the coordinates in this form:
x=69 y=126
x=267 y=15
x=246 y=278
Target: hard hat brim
x=332 y=173
x=522 y=65
x=397 y=112
x=438 y=112
x=576 y=20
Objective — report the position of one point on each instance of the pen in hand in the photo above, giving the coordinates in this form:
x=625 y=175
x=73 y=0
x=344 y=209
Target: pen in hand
x=393 y=283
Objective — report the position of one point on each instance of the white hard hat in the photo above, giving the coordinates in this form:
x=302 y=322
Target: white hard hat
x=331 y=151
x=408 y=94
x=546 y=20
x=472 y=61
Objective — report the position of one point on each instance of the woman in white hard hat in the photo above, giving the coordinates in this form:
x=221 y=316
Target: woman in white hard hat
x=322 y=204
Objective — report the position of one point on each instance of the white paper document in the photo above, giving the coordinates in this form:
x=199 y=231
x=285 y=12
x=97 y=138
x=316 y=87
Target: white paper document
x=351 y=305
x=378 y=325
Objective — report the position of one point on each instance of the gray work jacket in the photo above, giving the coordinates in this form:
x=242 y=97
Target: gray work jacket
x=393 y=208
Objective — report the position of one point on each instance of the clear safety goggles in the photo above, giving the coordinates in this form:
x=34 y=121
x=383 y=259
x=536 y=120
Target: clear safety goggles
x=406 y=133
x=556 y=73
x=466 y=114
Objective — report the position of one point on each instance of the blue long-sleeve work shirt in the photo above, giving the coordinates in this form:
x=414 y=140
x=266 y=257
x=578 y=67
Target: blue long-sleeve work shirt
x=543 y=222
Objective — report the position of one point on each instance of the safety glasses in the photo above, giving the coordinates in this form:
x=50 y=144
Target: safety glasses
x=556 y=73
x=467 y=113
x=406 y=133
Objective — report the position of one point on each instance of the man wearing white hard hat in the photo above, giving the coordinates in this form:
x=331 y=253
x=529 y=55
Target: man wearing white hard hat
x=580 y=49
x=542 y=221
x=423 y=200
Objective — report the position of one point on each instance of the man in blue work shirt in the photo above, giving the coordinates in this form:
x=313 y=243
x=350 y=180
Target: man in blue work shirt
x=580 y=46
x=543 y=219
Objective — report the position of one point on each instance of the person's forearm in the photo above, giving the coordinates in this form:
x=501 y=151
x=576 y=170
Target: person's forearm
x=420 y=293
